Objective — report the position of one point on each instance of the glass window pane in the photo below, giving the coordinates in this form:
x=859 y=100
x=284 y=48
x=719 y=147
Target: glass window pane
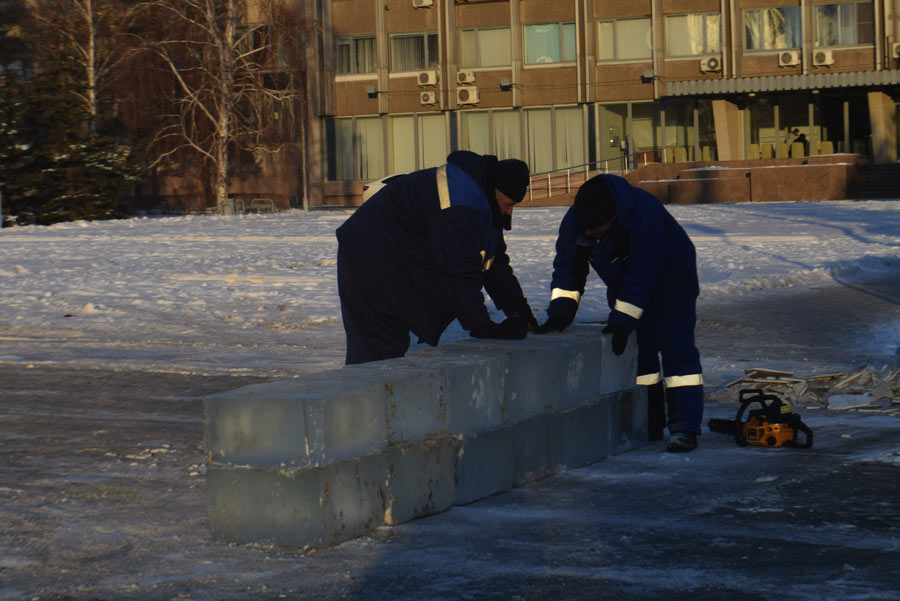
x=613 y=121
x=633 y=39
x=432 y=141
x=542 y=44
x=370 y=148
x=865 y=23
x=493 y=47
x=343 y=58
x=713 y=34
x=476 y=132
x=343 y=149
x=772 y=28
x=569 y=137
x=678 y=36
x=468 y=48
x=568 y=42
x=365 y=55
x=540 y=151
x=507 y=136
x=605 y=41
x=402 y=144
x=645 y=124
x=407 y=53
x=434 y=55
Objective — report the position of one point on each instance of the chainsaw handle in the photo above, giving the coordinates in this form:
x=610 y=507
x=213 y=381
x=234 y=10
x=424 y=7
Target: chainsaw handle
x=799 y=426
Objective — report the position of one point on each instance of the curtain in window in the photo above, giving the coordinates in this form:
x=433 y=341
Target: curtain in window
x=542 y=44
x=645 y=123
x=507 y=135
x=568 y=42
x=407 y=53
x=365 y=55
x=713 y=25
x=493 y=47
x=370 y=148
x=343 y=57
x=432 y=141
x=476 y=132
x=772 y=28
x=633 y=39
x=434 y=54
x=606 y=40
x=468 y=48
x=343 y=149
x=402 y=143
x=569 y=137
x=540 y=133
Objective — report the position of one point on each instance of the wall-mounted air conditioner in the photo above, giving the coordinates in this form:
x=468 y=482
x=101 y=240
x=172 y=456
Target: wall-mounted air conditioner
x=710 y=64
x=428 y=78
x=427 y=98
x=895 y=50
x=422 y=3
x=788 y=58
x=467 y=95
x=465 y=77
x=822 y=58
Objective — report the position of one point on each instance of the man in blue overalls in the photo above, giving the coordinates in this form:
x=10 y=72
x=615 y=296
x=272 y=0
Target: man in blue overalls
x=416 y=256
x=649 y=266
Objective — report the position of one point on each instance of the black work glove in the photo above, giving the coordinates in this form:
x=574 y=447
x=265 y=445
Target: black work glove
x=556 y=323
x=561 y=313
x=619 y=337
x=523 y=311
x=511 y=328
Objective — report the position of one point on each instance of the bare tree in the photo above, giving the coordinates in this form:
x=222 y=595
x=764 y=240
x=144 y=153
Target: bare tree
x=229 y=81
x=95 y=34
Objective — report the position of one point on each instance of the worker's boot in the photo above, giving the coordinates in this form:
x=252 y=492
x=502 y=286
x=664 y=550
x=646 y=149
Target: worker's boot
x=656 y=411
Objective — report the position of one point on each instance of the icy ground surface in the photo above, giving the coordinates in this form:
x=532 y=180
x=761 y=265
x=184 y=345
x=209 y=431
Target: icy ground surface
x=112 y=333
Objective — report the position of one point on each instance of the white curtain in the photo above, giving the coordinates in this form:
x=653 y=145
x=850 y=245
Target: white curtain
x=540 y=153
x=606 y=40
x=633 y=39
x=569 y=137
x=402 y=143
x=542 y=44
x=507 y=135
x=370 y=148
x=476 y=132
x=407 y=53
x=432 y=140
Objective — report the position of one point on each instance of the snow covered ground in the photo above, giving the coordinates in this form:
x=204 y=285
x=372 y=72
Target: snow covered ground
x=257 y=294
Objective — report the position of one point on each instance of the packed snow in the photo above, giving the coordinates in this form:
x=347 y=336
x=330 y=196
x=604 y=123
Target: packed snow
x=257 y=293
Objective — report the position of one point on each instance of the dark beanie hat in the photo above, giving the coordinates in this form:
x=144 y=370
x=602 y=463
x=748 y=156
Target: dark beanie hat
x=594 y=204
x=511 y=178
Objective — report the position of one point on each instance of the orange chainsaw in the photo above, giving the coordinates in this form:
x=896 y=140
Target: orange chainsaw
x=772 y=424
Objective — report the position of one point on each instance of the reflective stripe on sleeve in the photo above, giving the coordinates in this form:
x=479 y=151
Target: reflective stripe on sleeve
x=560 y=293
x=628 y=309
x=443 y=187
x=649 y=379
x=689 y=380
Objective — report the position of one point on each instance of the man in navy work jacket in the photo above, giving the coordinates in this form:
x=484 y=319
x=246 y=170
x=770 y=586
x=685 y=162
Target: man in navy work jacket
x=649 y=266
x=416 y=256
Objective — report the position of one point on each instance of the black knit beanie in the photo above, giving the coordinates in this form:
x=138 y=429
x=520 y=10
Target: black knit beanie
x=594 y=204
x=511 y=178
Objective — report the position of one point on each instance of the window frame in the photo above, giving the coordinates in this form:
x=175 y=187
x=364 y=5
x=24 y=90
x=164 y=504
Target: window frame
x=856 y=44
x=351 y=42
x=616 y=59
x=746 y=11
x=561 y=38
x=477 y=30
x=706 y=46
x=429 y=62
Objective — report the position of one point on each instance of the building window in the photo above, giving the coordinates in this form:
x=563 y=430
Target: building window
x=844 y=24
x=484 y=48
x=772 y=28
x=549 y=43
x=414 y=52
x=356 y=55
x=693 y=35
x=496 y=132
x=565 y=126
x=358 y=149
x=624 y=40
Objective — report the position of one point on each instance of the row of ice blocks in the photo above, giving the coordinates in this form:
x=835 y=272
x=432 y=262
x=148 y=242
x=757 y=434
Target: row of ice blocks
x=323 y=458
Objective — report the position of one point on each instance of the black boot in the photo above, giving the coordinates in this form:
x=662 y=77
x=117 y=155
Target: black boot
x=656 y=411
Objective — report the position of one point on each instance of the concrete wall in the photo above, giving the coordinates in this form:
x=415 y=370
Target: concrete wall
x=327 y=457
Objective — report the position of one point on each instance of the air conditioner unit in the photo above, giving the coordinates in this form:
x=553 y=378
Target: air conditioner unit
x=428 y=78
x=422 y=3
x=895 y=50
x=428 y=98
x=822 y=58
x=710 y=64
x=465 y=77
x=788 y=58
x=467 y=95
